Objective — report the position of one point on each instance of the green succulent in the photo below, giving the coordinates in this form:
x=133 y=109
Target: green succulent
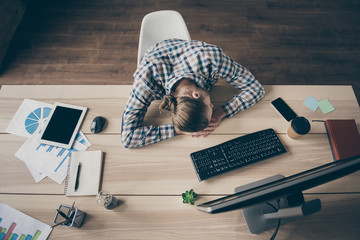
x=189 y=197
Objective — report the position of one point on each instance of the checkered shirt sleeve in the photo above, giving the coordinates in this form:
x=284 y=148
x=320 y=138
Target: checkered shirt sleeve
x=134 y=134
x=242 y=79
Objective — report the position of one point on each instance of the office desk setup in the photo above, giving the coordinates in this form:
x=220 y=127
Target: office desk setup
x=149 y=181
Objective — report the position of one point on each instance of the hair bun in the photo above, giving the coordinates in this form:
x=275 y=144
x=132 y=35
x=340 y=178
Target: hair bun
x=168 y=103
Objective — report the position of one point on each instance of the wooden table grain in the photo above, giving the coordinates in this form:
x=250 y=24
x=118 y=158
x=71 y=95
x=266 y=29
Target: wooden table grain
x=149 y=180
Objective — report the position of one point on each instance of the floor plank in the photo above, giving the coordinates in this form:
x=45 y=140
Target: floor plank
x=95 y=42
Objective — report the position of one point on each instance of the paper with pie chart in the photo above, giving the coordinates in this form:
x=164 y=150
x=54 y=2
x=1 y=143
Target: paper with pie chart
x=30 y=116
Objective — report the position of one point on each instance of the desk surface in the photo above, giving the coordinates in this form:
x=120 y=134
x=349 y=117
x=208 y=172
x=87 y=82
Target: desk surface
x=149 y=181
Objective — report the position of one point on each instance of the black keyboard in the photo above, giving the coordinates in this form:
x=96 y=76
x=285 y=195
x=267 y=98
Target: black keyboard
x=236 y=153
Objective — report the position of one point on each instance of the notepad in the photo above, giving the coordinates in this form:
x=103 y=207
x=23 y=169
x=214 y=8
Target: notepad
x=311 y=103
x=325 y=106
x=88 y=175
x=344 y=138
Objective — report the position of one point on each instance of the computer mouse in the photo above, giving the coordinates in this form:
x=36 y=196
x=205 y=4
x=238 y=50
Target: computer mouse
x=98 y=124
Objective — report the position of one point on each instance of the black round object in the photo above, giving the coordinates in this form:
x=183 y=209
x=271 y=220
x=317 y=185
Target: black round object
x=300 y=125
x=98 y=124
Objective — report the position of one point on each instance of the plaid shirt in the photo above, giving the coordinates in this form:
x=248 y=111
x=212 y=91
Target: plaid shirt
x=168 y=62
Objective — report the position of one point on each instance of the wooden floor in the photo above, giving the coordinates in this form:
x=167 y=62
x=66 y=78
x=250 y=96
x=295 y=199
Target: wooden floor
x=280 y=41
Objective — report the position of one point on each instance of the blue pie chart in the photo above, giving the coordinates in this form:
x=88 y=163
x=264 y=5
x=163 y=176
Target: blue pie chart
x=35 y=118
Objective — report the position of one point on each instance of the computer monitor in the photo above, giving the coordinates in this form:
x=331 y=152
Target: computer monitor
x=267 y=200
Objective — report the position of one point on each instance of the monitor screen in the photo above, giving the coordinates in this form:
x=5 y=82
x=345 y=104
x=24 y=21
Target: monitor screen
x=284 y=186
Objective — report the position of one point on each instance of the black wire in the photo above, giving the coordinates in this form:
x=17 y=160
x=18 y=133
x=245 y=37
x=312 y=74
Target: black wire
x=279 y=221
x=276 y=230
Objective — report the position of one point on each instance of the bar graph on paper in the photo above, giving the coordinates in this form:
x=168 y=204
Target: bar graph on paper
x=49 y=160
x=15 y=225
x=62 y=154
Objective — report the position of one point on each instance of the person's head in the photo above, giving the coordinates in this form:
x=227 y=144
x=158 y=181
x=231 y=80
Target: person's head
x=190 y=107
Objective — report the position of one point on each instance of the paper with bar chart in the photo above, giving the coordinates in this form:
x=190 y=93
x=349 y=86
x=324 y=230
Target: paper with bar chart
x=50 y=160
x=15 y=225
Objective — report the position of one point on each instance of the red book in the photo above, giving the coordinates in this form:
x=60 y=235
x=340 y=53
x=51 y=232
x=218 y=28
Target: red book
x=344 y=138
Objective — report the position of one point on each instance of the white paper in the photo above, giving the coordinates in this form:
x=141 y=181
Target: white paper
x=20 y=224
x=50 y=160
x=38 y=176
x=29 y=118
x=41 y=160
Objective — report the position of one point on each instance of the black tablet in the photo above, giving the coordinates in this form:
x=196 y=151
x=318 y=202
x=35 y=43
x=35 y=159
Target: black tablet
x=62 y=125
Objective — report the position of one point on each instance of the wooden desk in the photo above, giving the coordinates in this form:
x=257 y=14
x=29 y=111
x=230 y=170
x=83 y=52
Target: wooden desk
x=149 y=180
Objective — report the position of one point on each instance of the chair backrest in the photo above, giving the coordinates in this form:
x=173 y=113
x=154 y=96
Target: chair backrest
x=158 y=26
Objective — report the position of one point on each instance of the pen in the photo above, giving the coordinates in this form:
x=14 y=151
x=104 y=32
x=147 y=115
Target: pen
x=62 y=214
x=71 y=210
x=77 y=177
x=65 y=221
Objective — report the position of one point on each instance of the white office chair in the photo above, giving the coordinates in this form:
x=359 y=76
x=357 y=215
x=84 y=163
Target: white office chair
x=159 y=26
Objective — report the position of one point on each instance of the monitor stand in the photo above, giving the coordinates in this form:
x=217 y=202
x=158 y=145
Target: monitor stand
x=263 y=216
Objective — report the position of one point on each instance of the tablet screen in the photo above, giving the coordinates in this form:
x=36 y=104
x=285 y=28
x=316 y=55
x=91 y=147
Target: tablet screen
x=62 y=125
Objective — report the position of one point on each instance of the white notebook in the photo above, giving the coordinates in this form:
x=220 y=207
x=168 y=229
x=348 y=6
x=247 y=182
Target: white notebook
x=89 y=165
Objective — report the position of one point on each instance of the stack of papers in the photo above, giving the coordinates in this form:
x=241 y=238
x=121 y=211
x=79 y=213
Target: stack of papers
x=42 y=160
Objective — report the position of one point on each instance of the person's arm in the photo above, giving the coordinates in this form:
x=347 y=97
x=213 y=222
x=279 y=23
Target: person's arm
x=221 y=66
x=133 y=133
x=242 y=79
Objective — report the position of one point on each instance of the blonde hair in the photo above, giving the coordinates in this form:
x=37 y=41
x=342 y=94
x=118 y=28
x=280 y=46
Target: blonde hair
x=187 y=114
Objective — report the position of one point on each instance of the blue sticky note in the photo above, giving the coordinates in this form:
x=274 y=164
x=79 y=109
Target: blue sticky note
x=311 y=103
x=326 y=106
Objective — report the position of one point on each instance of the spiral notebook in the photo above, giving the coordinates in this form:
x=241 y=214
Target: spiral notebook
x=84 y=173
